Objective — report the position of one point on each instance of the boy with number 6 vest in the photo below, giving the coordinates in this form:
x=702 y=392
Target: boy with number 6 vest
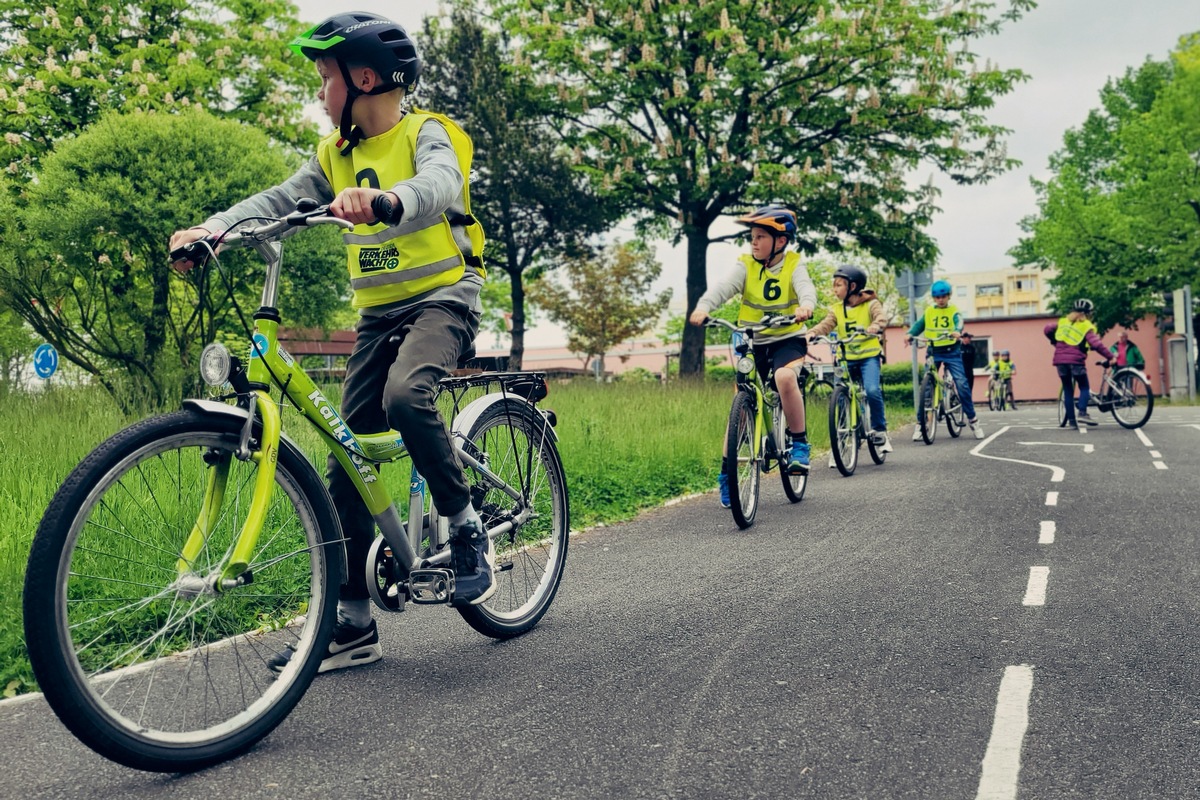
x=771 y=281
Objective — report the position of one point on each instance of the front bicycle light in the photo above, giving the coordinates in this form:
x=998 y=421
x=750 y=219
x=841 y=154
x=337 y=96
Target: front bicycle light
x=215 y=364
x=744 y=365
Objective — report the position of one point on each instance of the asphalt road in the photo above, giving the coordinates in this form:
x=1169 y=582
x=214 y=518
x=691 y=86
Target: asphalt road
x=882 y=639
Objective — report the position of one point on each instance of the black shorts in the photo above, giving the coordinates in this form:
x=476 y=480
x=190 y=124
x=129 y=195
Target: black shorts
x=772 y=356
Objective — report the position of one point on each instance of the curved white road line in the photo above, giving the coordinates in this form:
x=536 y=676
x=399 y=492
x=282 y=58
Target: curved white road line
x=1056 y=473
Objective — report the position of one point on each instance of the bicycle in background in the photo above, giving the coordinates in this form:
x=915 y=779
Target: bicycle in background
x=756 y=438
x=188 y=549
x=848 y=417
x=938 y=398
x=1124 y=392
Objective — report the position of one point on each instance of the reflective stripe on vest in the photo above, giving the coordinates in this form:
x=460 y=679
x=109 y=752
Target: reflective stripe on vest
x=860 y=316
x=765 y=293
x=1073 y=333
x=389 y=264
x=939 y=324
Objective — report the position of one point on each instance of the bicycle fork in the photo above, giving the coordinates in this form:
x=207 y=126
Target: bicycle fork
x=235 y=571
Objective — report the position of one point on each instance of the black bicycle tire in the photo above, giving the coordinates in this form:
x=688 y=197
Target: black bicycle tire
x=794 y=493
x=845 y=463
x=1135 y=375
x=481 y=617
x=742 y=409
x=926 y=408
x=55 y=670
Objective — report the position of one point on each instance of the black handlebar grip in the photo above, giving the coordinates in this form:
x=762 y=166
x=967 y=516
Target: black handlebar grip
x=185 y=252
x=385 y=210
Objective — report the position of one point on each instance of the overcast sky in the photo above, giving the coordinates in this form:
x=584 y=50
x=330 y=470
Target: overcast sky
x=1069 y=48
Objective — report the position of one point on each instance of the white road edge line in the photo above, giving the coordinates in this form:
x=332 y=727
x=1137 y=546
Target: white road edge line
x=1145 y=439
x=1046 y=536
x=1035 y=590
x=1002 y=760
x=1051 y=498
x=1057 y=473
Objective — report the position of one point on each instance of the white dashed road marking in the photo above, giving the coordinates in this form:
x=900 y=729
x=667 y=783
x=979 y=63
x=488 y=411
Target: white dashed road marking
x=1035 y=591
x=1145 y=439
x=1002 y=761
x=1047 y=533
x=1051 y=498
x=1160 y=465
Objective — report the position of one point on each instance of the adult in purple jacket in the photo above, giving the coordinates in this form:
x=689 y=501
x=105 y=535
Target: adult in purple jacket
x=1072 y=336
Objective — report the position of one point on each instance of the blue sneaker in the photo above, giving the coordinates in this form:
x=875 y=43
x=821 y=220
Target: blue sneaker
x=798 y=463
x=723 y=485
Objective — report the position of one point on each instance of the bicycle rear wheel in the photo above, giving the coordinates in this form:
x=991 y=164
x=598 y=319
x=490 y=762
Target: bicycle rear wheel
x=927 y=408
x=793 y=485
x=516 y=443
x=1132 y=400
x=843 y=432
x=162 y=672
x=741 y=458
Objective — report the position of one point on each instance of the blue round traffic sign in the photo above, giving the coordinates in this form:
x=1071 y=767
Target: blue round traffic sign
x=45 y=360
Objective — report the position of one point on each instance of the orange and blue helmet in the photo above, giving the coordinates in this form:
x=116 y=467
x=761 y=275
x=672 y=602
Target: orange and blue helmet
x=775 y=219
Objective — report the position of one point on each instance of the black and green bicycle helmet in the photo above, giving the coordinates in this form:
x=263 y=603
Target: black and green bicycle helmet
x=362 y=39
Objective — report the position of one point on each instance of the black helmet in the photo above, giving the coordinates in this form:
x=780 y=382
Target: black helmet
x=854 y=275
x=1084 y=305
x=361 y=39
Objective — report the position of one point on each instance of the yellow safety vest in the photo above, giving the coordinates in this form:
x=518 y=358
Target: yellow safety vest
x=392 y=264
x=849 y=317
x=766 y=294
x=1073 y=333
x=939 y=324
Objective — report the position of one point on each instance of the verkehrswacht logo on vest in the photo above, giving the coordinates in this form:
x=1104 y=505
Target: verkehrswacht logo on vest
x=375 y=259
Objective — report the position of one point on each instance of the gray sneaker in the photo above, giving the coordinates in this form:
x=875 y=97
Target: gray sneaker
x=977 y=429
x=1087 y=419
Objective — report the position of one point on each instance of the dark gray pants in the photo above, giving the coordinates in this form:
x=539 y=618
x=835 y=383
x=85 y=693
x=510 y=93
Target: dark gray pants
x=391 y=385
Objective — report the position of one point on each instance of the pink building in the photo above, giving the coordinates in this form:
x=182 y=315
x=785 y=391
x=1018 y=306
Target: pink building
x=1035 y=379
x=1031 y=352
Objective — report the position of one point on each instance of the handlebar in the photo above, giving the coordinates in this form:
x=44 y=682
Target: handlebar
x=856 y=334
x=929 y=342
x=773 y=321
x=307 y=214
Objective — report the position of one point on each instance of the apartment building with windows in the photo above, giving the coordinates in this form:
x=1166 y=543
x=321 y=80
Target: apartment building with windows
x=1001 y=292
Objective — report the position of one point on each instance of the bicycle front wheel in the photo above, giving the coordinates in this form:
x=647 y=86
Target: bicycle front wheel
x=1132 y=400
x=516 y=443
x=843 y=432
x=955 y=420
x=927 y=408
x=137 y=652
x=742 y=460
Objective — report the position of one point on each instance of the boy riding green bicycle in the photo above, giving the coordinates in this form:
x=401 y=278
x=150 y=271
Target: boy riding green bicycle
x=771 y=281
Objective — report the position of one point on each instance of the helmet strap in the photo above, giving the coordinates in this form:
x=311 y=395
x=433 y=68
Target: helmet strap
x=350 y=134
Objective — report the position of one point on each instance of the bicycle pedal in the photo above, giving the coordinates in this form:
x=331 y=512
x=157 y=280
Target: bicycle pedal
x=430 y=586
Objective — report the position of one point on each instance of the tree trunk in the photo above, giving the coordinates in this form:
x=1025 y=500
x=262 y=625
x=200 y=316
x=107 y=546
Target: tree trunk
x=691 y=352
x=516 y=353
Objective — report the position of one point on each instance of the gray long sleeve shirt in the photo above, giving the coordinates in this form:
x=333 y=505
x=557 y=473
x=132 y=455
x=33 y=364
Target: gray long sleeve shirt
x=436 y=188
x=734 y=283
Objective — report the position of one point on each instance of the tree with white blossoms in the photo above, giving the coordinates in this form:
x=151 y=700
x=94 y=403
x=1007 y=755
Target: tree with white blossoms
x=65 y=63
x=691 y=109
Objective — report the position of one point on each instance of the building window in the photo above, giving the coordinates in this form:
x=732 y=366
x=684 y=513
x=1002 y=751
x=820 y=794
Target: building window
x=1027 y=284
x=960 y=291
x=989 y=290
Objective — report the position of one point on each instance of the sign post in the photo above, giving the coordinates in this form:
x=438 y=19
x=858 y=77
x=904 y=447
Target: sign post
x=914 y=285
